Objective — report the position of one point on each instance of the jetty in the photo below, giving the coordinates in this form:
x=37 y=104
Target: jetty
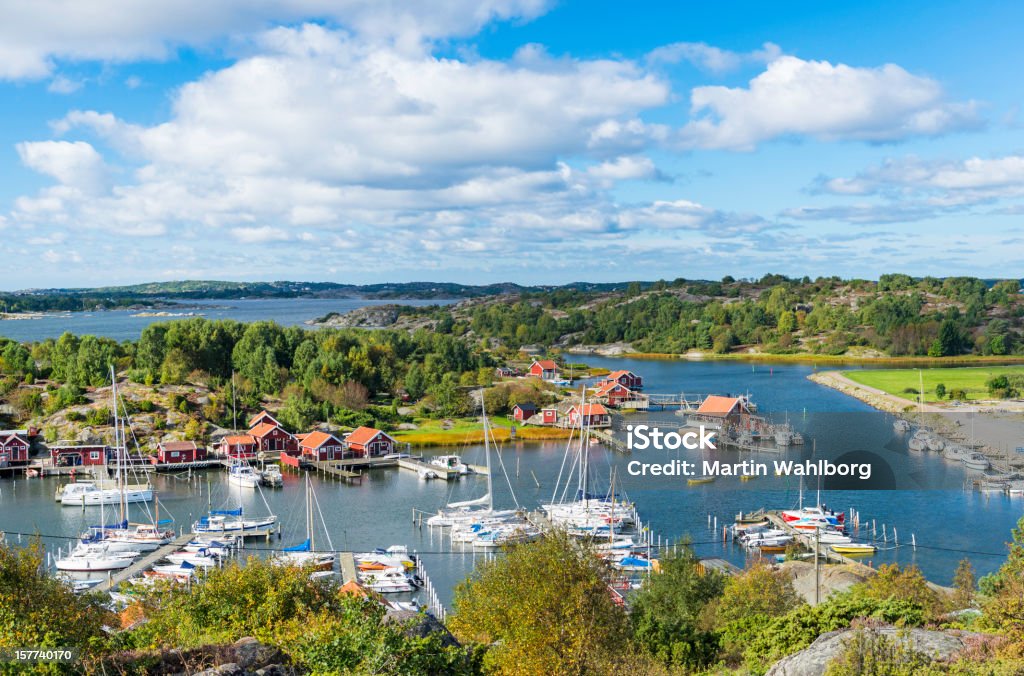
x=610 y=440
x=822 y=550
x=144 y=563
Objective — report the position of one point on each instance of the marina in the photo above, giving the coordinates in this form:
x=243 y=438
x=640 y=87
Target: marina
x=373 y=510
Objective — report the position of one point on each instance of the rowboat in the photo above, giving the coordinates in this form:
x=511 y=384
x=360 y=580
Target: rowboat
x=700 y=480
x=853 y=548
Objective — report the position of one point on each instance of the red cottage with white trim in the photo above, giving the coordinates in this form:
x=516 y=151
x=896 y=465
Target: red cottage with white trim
x=367 y=442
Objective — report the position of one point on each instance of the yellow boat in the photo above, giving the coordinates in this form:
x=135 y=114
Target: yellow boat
x=747 y=477
x=700 y=480
x=853 y=549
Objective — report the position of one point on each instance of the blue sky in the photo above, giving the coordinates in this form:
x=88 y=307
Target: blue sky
x=508 y=140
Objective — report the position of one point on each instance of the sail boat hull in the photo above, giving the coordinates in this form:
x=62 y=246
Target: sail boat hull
x=105 y=496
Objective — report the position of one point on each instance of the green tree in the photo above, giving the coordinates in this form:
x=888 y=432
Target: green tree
x=964 y=585
x=38 y=610
x=667 y=610
x=940 y=391
x=544 y=608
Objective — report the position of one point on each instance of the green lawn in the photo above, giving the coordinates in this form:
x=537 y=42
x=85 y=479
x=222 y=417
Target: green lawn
x=896 y=381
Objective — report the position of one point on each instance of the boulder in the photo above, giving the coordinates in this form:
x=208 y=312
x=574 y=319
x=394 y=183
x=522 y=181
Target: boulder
x=815 y=658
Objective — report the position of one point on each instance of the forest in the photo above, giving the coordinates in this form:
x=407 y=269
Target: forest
x=895 y=316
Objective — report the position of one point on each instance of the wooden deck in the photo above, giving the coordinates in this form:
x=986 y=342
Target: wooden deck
x=347 y=565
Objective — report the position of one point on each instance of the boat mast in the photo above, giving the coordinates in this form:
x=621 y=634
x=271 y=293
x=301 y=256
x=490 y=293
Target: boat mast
x=487 y=454
x=309 y=514
x=117 y=444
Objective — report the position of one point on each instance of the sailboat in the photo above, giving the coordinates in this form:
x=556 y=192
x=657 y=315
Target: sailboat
x=125 y=536
x=477 y=509
x=305 y=554
x=585 y=515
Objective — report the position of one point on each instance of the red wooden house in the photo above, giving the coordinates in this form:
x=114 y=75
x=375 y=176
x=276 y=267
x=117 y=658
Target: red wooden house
x=77 y=456
x=614 y=393
x=627 y=379
x=262 y=417
x=320 y=446
x=238 y=446
x=272 y=437
x=369 y=442
x=176 y=452
x=524 y=411
x=14 y=446
x=549 y=416
x=594 y=415
x=545 y=369
x=719 y=409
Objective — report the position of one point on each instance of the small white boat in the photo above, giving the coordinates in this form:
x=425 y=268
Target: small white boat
x=231 y=522
x=976 y=461
x=200 y=559
x=95 y=558
x=244 y=476
x=271 y=477
x=390 y=581
x=450 y=463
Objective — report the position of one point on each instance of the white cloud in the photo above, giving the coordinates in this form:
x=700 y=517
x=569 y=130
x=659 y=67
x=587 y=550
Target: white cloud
x=260 y=235
x=75 y=164
x=711 y=58
x=35 y=34
x=982 y=177
x=63 y=85
x=794 y=98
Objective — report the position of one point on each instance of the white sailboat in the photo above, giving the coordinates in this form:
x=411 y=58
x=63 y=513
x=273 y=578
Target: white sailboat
x=477 y=509
x=305 y=554
x=243 y=475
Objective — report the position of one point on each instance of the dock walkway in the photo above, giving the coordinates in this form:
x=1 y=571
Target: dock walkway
x=144 y=563
x=808 y=541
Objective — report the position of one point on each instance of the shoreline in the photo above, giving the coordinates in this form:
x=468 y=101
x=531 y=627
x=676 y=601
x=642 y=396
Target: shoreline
x=806 y=358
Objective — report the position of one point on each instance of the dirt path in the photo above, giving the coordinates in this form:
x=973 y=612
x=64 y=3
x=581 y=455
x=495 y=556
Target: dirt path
x=872 y=396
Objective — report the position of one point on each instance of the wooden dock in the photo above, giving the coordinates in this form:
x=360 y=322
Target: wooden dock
x=331 y=468
x=808 y=540
x=347 y=564
x=144 y=563
x=607 y=438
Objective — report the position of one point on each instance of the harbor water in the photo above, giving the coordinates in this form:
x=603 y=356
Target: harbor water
x=946 y=521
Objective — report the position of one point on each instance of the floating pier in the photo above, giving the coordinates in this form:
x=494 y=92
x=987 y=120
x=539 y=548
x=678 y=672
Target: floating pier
x=145 y=562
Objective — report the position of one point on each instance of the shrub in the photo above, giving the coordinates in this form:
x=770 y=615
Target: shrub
x=869 y=652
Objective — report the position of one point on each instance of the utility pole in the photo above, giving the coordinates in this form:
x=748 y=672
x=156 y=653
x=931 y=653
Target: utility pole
x=817 y=566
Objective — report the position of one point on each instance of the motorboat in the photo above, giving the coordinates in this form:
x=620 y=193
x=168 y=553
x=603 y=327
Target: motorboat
x=200 y=559
x=88 y=494
x=388 y=581
x=271 y=477
x=976 y=461
x=792 y=515
x=451 y=463
x=955 y=453
x=243 y=476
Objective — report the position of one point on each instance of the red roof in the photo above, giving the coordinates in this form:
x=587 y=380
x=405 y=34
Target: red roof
x=364 y=435
x=610 y=385
x=615 y=375
x=263 y=429
x=546 y=364
x=178 y=446
x=318 y=439
x=716 y=405
x=240 y=439
x=262 y=414
x=592 y=409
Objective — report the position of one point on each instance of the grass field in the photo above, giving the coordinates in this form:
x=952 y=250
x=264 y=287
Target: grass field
x=896 y=381
x=471 y=431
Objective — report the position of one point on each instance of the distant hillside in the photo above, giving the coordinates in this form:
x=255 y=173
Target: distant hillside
x=193 y=289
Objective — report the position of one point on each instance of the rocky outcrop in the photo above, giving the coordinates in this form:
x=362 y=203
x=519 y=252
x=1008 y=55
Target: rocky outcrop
x=374 y=317
x=245 y=657
x=815 y=658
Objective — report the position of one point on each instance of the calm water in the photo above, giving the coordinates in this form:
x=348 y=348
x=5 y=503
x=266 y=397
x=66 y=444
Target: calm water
x=948 y=523
x=121 y=325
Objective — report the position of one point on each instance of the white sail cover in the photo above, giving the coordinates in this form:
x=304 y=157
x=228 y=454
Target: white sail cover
x=471 y=503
